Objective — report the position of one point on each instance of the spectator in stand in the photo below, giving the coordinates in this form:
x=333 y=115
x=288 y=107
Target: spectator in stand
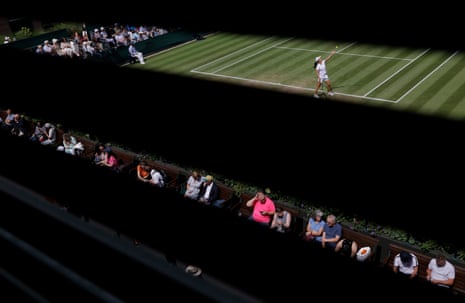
x=263 y=208
x=156 y=178
x=143 y=172
x=281 y=220
x=38 y=133
x=332 y=233
x=18 y=128
x=134 y=53
x=315 y=225
x=47 y=48
x=88 y=48
x=8 y=122
x=406 y=265
x=99 y=154
x=39 y=50
x=440 y=271
x=209 y=191
x=193 y=186
x=50 y=134
x=110 y=160
x=70 y=145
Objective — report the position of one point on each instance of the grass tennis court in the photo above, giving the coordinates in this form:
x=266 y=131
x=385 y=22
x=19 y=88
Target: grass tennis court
x=425 y=81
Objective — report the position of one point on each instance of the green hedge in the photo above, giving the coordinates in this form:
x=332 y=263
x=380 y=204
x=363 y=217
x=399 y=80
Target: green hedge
x=33 y=41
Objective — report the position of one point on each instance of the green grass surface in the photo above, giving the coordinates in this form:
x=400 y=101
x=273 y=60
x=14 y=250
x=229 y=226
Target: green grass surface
x=424 y=81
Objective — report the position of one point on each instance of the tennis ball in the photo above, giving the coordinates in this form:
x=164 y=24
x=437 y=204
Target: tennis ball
x=337 y=46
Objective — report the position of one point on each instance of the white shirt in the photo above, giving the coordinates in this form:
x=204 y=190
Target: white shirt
x=443 y=273
x=404 y=269
x=206 y=195
x=321 y=68
x=157 y=178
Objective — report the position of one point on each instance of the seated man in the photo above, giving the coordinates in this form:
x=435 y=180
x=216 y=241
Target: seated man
x=406 y=265
x=332 y=232
x=156 y=178
x=263 y=208
x=209 y=191
x=440 y=272
x=134 y=53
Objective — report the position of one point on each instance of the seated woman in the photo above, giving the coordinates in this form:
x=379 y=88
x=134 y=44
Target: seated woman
x=50 y=134
x=100 y=153
x=143 y=172
x=18 y=126
x=193 y=186
x=110 y=160
x=281 y=220
x=38 y=133
x=315 y=226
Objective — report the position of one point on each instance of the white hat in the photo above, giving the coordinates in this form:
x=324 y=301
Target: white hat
x=363 y=253
x=317 y=58
x=193 y=270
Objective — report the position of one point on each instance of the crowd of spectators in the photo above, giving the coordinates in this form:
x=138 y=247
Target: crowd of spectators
x=98 y=41
x=203 y=189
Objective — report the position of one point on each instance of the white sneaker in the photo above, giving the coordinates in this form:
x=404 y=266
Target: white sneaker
x=331 y=94
x=316 y=96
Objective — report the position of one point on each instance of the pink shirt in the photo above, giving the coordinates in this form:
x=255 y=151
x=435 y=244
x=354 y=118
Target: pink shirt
x=258 y=207
x=112 y=162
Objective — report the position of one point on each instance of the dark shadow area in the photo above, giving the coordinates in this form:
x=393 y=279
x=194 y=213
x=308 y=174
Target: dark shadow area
x=260 y=263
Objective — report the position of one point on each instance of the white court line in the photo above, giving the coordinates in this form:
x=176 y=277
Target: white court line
x=398 y=71
x=316 y=50
x=427 y=76
x=250 y=56
x=235 y=52
x=285 y=85
x=346 y=54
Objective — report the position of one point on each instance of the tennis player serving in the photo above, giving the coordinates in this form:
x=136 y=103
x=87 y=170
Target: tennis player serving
x=322 y=75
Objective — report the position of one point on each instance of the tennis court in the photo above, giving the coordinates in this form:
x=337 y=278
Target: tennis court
x=426 y=81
